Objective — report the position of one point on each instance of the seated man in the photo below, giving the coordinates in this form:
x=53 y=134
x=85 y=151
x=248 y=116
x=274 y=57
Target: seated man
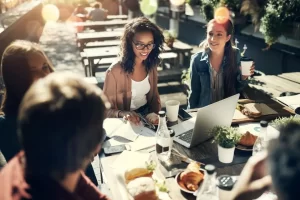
x=60 y=129
x=97 y=14
x=283 y=162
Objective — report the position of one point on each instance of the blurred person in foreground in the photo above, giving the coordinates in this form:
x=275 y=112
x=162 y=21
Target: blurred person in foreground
x=280 y=169
x=56 y=150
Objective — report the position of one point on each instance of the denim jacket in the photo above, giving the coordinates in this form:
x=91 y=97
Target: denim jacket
x=200 y=94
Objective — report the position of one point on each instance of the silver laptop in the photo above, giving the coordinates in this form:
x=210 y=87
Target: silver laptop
x=196 y=130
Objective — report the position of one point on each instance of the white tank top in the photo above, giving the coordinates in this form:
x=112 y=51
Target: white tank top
x=139 y=89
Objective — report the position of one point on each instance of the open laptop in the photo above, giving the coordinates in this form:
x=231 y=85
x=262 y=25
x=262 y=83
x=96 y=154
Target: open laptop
x=196 y=130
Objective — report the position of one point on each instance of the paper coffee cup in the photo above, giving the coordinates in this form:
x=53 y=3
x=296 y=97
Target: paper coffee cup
x=246 y=64
x=172 y=108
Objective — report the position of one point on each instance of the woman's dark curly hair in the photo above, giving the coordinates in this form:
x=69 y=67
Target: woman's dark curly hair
x=141 y=24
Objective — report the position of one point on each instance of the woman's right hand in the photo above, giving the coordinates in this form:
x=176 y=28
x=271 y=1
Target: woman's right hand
x=130 y=116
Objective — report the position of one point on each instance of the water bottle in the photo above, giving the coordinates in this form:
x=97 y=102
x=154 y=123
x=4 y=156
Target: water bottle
x=261 y=141
x=209 y=189
x=163 y=139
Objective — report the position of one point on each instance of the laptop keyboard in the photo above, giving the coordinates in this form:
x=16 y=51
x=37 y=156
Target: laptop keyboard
x=186 y=136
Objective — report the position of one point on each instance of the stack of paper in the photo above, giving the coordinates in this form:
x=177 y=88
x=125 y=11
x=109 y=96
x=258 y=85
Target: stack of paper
x=136 y=136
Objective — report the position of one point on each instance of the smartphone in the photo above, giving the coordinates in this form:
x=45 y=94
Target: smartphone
x=114 y=149
x=183 y=115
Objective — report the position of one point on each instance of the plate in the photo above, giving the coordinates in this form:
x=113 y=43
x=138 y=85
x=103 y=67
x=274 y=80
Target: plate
x=182 y=186
x=243 y=148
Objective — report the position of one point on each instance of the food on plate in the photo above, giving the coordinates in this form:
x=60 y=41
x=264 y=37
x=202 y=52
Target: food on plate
x=137 y=173
x=142 y=188
x=251 y=110
x=248 y=139
x=140 y=172
x=191 y=176
x=153 y=118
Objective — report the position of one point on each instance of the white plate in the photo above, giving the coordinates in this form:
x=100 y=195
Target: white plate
x=183 y=189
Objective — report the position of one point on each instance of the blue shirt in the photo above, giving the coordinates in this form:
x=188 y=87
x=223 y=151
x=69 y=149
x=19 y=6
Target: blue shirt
x=201 y=91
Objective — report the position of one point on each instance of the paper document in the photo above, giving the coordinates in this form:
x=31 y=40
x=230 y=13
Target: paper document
x=136 y=137
x=254 y=128
x=116 y=127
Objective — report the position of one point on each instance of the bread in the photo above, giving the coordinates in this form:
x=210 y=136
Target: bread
x=191 y=176
x=142 y=188
x=251 y=110
x=136 y=173
x=248 y=139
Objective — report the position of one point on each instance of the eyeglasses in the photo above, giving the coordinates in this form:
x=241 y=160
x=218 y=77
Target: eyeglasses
x=140 y=46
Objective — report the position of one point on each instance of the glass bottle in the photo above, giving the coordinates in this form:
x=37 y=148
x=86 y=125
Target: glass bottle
x=163 y=139
x=209 y=189
x=261 y=141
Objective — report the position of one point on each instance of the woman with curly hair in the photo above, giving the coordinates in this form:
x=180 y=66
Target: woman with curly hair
x=131 y=83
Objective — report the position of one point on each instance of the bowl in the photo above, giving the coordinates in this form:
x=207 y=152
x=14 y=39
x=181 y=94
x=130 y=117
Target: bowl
x=182 y=186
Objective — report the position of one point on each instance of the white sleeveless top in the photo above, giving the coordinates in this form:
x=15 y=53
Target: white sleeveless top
x=139 y=89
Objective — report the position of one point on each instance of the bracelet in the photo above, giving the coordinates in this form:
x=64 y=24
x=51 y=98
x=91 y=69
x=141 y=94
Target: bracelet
x=118 y=114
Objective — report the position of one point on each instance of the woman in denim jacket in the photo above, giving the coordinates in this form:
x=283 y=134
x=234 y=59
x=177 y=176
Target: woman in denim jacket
x=215 y=70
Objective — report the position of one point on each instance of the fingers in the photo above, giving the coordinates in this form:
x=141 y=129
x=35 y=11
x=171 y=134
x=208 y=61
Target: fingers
x=250 y=168
x=133 y=118
x=261 y=184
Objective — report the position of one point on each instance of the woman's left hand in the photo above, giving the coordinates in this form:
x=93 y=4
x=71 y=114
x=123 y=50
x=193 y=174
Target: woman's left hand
x=252 y=69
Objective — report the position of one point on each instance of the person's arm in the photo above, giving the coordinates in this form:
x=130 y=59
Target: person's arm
x=195 y=85
x=87 y=189
x=155 y=104
x=89 y=15
x=110 y=90
x=253 y=181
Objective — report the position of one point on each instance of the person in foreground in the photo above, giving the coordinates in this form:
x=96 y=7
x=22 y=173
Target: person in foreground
x=215 y=70
x=56 y=150
x=279 y=170
x=131 y=83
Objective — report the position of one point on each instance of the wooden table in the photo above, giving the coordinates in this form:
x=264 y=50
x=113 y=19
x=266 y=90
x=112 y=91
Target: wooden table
x=83 y=38
x=294 y=76
x=110 y=17
x=102 y=24
x=99 y=53
x=180 y=48
x=274 y=85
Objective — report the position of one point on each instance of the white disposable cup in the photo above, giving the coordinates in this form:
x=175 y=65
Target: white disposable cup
x=246 y=66
x=172 y=107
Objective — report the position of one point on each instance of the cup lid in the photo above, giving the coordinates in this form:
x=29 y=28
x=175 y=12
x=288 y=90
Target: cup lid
x=246 y=59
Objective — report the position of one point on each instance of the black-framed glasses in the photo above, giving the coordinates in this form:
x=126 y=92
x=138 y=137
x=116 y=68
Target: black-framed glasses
x=140 y=46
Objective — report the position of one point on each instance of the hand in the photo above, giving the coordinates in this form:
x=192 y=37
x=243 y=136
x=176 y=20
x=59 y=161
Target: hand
x=131 y=116
x=252 y=69
x=253 y=181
